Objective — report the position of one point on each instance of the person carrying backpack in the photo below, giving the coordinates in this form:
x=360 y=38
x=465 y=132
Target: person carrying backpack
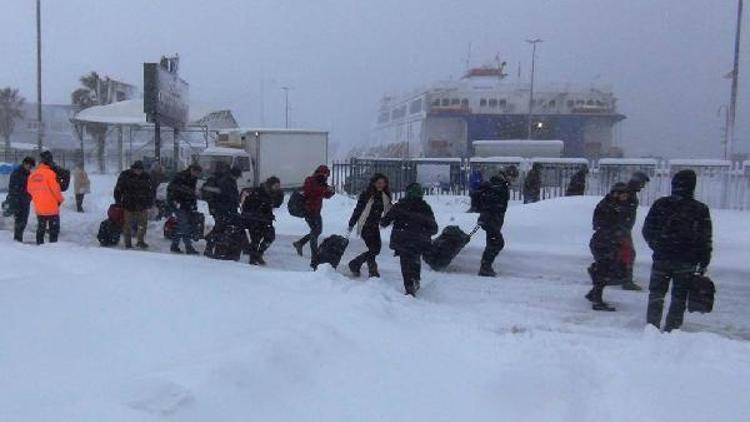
x=610 y=231
x=182 y=198
x=316 y=189
x=134 y=192
x=413 y=226
x=46 y=194
x=257 y=210
x=373 y=203
x=678 y=230
x=223 y=197
x=492 y=203
x=19 y=198
x=532 y=184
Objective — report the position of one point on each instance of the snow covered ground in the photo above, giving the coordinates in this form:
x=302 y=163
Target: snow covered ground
x=93 y=334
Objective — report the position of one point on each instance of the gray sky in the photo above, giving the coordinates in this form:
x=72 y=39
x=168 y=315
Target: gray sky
x=664 y=58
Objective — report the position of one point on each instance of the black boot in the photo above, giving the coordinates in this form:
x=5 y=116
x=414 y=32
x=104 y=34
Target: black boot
x=630 y=285
x=355 y=268
x=486 y=271
x=372 y=270
x=298 y=247
x=597 y=303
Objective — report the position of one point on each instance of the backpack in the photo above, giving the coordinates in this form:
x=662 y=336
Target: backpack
x=63 y=177
x=701 y=294
x=116 y=214
x=296 y=205
x=109 y=233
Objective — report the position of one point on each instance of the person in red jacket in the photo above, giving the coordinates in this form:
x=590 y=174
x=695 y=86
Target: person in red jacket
x=47 y=196
x=316 y=188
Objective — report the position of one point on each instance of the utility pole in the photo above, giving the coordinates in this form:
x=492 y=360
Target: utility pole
x=735 y=84
x=533 y=43
x=286 y=105
x=40 y=133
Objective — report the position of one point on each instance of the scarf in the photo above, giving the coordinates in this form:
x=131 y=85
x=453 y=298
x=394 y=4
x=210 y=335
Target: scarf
x=368 y=209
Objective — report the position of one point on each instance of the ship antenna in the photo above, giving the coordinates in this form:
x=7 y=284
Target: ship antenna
x=468 y=58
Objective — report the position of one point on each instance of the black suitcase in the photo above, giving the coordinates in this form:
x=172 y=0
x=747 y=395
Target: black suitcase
x=197 y=224
x=331 y=251
x=229 y=244
x=109 y=233
x=701 y=294
x=445 y=247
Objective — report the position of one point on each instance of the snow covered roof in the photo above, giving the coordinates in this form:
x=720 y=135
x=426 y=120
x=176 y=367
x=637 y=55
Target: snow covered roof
x=700 y=163
x=128 y=112
x=271 y=130
x=628 y=162
x=496 y=159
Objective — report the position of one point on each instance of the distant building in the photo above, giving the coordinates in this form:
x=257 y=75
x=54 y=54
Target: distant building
x=58 y=130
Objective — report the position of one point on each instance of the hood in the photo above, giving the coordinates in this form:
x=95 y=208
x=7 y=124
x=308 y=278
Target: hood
x=322 y=170
x=683 y=183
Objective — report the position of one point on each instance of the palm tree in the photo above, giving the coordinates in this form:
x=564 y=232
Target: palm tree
x=93 y=91
x=11 y=109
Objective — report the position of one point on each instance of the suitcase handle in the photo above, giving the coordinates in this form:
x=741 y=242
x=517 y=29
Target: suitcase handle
x=474 y=230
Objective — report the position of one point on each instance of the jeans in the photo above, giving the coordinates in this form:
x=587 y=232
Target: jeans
x=261 y=238
x=21 y=218
x=140 y=219
x=316 y=228
x=494 y=244
x=662 y=273
x=371 y=236
x=184 y=230
x=47 y=223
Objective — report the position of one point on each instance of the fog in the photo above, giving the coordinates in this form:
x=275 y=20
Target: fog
x=665 y=59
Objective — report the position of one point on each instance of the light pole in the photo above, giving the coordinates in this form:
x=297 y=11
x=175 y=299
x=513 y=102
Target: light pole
x=724 y=109
x=286 y=105
x=533 y=43
x=735 y=84
x=40 y=132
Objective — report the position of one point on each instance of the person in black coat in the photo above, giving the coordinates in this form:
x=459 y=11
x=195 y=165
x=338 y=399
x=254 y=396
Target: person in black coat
x=18 y=197
x=373 y=203
x=182 y=198
x=135 y=193
x=610 y=232
x=413 y=226
x=532 y=184
x=678 y=230
x=492 y=203
x=257 y=211
x=577 y=185
x=636 y=183
x=223 y=198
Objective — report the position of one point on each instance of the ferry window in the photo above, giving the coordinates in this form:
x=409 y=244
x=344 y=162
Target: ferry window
x=465 y=102
x=571 y=103
x=599 y=103
x=552 y=104
x=446 y=102
x=590 y=102
x=493 y=102
x=436 y=102
x=580 y=102
x=503 y=102
x=455 y=101
x=483 y=102
x=415 y=106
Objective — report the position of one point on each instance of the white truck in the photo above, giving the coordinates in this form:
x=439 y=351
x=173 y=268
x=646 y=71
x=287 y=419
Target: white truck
x=289 y=154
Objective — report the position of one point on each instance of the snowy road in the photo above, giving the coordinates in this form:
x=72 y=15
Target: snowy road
x=92 y=334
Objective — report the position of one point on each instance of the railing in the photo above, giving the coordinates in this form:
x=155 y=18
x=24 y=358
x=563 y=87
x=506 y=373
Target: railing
x=721 y=184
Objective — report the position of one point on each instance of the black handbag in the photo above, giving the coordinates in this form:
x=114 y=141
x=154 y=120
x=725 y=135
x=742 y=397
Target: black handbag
x=701 y=294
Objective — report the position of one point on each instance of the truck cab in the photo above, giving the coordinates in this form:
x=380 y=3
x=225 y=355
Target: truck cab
x=234 y=157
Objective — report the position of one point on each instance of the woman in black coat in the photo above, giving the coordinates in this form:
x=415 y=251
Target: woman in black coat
x=373 y=203
x=413 y=227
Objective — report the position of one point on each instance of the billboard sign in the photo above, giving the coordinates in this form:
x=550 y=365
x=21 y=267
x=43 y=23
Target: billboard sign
x=165 y=96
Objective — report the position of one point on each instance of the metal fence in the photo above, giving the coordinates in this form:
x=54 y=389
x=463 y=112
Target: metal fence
x=721 y=184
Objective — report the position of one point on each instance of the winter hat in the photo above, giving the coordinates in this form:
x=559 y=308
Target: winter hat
x=414 y=191
x=683 y=183
x=272 y=181
x=138 y=165
x=46 y=157
x=29 y=160
x=640 y=177
x=323 y=170
x=619 y=187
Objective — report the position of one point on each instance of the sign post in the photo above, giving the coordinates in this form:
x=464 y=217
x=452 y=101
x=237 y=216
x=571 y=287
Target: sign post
x=165 y=100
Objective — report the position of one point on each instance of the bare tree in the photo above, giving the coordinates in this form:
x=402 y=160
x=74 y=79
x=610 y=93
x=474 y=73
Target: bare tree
x=11 y=109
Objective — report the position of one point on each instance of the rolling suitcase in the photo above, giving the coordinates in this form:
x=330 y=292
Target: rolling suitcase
x=330 y=251
x=701 y=294
x=446 y=247
x=109 y=233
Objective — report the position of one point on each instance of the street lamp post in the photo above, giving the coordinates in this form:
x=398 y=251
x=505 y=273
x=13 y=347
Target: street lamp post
x=286 y=105
x=40 y=129
x=533 y=43
x=735 y=84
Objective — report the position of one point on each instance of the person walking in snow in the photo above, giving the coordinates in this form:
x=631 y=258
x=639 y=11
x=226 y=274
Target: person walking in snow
x=183 y=200
x=678 y=230
x=577 y=185
x=47 y=197
x=610 y=230
x=492 y=203
x=81 y=185
x=257 y=209
x=134 y=192
x=373 y=203
x=223 y=197
x=19 y=198
x=532 y=184
x=636 y=183
x=316 y=189
x=413 y=226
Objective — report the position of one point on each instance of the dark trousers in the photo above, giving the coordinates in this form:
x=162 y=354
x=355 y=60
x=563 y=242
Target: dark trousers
x=495 y=243
x=221 y=220
x=261 y=238
x=371 y=236
x=184 y=230
x=662 y=273
x=316 y=228
x=21 y=218
x=47 y=223
x=79 y=202
x=411 y=270
x=602 y=272
x=530 y=198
